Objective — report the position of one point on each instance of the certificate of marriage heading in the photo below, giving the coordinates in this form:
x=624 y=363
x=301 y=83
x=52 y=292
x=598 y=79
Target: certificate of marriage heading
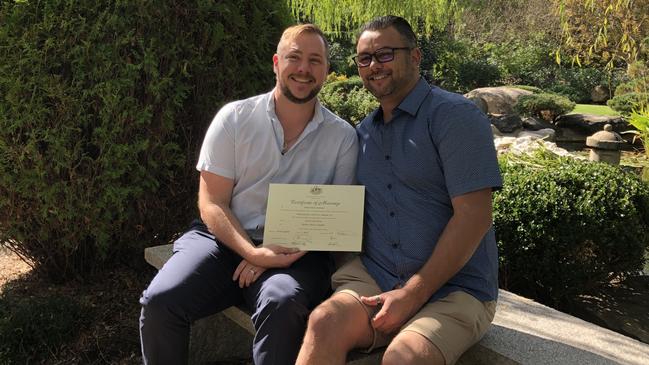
x=315 y=217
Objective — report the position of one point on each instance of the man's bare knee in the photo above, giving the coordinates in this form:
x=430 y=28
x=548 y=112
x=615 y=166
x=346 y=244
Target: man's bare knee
x=410 y=348
x=324 y=319
x=341 y=321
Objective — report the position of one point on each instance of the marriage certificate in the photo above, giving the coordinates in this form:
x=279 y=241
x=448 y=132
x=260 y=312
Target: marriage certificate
x=315 y=217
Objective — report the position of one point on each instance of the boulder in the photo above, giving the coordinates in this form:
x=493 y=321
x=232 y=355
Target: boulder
x=506 y=123
x=587 y=124
x=599 y=94
x=480 y=103
x=547 y=134
x=498 y=100
x=535 y=124
x=495 y=131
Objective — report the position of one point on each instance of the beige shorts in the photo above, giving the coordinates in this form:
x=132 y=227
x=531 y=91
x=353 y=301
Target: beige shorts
x=453 y=323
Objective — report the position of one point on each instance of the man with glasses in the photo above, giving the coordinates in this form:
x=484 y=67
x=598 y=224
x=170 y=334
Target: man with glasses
x=426 y=283
x=284 y=136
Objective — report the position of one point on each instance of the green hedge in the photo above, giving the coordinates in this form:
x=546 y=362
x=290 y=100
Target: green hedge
x=103 y=106
x=348 y=98
x=626 y=103
x=536 y=105
x=565 y=226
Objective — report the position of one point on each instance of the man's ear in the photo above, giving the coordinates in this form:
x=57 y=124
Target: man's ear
x=275 y=61
x=416 y=56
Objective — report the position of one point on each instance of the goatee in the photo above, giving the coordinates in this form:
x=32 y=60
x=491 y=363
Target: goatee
x=289 y=95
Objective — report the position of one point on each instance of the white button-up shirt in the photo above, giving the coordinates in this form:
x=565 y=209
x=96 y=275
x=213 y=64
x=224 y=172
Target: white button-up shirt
x=244 y=143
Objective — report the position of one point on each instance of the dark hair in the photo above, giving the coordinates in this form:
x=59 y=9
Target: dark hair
x=400 y=24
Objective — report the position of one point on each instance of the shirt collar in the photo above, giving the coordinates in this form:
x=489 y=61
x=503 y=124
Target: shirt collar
x=415 y=98
x=410 y=104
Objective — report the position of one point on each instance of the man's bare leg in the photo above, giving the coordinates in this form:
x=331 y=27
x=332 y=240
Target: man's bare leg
x=411 y=348
x=335 y=327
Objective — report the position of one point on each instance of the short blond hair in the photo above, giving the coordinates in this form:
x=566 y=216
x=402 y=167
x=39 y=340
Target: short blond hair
x=294 y=31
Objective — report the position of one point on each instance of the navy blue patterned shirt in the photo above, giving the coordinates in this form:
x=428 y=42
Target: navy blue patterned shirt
x=438 y=145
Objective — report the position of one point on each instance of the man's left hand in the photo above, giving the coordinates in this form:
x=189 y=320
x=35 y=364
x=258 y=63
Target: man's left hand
x=247 y=273
x=396 y=308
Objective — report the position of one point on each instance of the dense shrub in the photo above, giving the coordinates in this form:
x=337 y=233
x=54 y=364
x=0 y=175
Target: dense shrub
x=626 y=103
x=564 y=226
x=577 y=83
x=544 y=105
x=457 y=65
x=638 y=74
x=634 y=86
x=340 y=51
x=103 y=108
x=348 y=98
x=520 y=62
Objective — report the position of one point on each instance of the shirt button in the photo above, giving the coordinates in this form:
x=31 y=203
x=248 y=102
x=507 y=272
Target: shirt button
x=387 y=157
x=391 y=214
x=395 y=245
x=389 y=186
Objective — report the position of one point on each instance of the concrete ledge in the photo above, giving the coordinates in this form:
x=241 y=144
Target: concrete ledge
x=523 y=332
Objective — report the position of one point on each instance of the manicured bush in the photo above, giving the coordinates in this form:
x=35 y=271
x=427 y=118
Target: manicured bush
x=348 y=98
x=565 y=226
x=544 y=105
x=103 y=108
x=534 y=89
x=626 y=103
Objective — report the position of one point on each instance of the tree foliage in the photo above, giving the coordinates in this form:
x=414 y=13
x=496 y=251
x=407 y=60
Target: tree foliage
x=507 y=21
x=604 y=31
x=337 y=16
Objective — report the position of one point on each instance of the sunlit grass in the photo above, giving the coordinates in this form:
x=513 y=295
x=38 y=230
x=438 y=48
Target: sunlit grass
x=594 y=109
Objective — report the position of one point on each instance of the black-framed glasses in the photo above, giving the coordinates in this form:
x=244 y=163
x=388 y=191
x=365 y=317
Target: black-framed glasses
x=382 y=55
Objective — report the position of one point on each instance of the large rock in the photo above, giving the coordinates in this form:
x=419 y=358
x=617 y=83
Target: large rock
x=588 y=124
x=507 y=123
x=535 y=124
x=498 y=100
x=599 y=94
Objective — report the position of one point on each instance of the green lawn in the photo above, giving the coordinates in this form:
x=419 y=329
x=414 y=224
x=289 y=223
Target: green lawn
x=593 y=109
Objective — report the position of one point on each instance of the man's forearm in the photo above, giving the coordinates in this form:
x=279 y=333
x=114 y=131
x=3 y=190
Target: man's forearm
x=222 y=223
x=455 y=247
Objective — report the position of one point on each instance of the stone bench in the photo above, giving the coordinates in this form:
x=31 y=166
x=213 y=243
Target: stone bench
x=523 y=332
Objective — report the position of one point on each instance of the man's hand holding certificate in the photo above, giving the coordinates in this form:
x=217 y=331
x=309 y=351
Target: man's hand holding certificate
x=315 y=217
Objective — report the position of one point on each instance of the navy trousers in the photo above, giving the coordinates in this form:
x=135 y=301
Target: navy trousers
x=197 y=282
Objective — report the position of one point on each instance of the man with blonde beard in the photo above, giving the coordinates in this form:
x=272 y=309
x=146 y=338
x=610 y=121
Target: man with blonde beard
x=284 y=136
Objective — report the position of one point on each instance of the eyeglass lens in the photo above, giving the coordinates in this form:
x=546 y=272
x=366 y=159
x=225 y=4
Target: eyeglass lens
x=381 y=56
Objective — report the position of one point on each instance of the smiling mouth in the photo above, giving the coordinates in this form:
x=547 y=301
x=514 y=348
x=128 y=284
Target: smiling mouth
x=302 y=80
x=378 y=77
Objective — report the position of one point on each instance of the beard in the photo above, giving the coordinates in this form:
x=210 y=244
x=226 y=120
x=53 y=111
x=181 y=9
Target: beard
x=380 y=92
x=290 y=96
x=393 y=84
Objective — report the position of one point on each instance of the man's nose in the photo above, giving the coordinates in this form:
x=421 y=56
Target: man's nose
x=304 y=66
